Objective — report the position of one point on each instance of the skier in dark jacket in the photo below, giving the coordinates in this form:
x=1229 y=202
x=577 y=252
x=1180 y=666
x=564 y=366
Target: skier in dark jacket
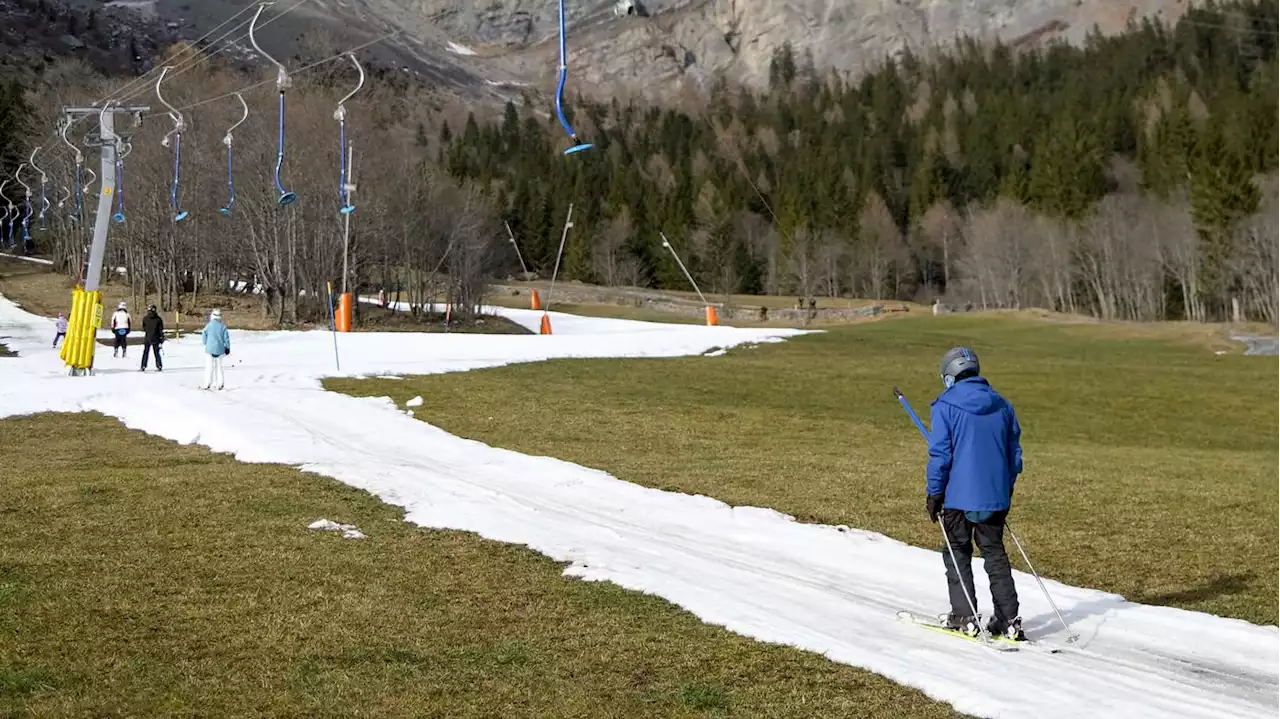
x=975 y=456
x=153 y=334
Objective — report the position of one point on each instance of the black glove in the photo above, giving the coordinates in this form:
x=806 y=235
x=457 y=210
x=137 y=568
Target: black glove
x=228 y=352
x=933 y=505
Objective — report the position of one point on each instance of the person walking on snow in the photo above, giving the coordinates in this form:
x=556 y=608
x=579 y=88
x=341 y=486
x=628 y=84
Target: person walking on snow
x=121 y=324
x=975 y=456
x=217 y=342
x=59 y=329
x=153 y=337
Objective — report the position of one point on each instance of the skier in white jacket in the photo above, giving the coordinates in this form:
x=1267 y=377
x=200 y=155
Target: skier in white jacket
x=121 y=324
x=217 y=343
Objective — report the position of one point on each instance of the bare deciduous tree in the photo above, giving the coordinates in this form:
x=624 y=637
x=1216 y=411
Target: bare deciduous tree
x=995 y=256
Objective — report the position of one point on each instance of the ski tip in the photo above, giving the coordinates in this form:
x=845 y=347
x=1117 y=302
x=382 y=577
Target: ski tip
x=897 y=393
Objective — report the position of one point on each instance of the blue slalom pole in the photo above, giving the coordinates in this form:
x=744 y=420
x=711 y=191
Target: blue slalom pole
x=902 y=400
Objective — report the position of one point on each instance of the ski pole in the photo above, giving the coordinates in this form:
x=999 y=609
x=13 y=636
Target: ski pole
x=982 y=631
x=1071 y=636
x=333 y=328
x=955 y=567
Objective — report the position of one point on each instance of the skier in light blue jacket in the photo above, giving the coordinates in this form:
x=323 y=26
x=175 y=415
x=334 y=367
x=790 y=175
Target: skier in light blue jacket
x=217 y=343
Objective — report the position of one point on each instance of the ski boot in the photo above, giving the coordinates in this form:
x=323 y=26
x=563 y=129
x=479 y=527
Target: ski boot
x=963 y=623
x=1010 y=630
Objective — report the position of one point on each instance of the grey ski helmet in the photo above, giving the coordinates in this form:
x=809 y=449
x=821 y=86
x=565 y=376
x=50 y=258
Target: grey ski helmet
x=956 y=362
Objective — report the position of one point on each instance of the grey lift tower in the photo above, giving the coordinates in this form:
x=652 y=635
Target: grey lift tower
x=111 y=144
x=86 y=310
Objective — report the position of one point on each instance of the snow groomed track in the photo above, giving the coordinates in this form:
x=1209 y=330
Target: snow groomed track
x=825 y=589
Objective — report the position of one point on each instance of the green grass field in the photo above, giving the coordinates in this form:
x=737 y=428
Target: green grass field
x=1150 y=468
x=143 y=578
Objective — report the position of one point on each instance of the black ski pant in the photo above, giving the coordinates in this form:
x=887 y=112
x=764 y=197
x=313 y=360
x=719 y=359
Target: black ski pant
x=989 y=536
x=148 y=348
x=122 y=344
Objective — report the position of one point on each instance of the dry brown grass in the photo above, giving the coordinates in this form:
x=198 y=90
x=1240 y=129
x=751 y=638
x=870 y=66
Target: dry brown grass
x=46 y=293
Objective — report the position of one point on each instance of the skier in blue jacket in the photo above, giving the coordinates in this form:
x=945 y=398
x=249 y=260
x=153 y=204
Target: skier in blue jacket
x=217 y=343
x=975 y=456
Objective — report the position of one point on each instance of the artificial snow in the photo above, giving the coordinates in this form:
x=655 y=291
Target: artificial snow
x=830 y=590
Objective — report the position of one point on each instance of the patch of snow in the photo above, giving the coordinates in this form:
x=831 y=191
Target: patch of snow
x=415 y=402
x=36 y=260
x=1258 y=345
x=757 y=572
x=328 y=525
x=349 y=531
x=460 y=49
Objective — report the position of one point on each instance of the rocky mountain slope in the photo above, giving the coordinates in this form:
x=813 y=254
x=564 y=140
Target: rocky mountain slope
x=654 y=48
x=106 y=38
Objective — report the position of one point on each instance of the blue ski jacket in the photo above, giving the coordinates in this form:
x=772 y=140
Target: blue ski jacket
x=975 y=454
x=217 y=340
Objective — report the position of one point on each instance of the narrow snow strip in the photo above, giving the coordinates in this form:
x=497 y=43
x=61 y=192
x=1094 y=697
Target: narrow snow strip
x=24 y=258
x=460 y=49
x=1258 y=345
x=825 y=589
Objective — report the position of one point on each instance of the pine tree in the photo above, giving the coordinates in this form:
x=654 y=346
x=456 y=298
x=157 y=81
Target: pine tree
x=1067 y=172
x=1222 y=193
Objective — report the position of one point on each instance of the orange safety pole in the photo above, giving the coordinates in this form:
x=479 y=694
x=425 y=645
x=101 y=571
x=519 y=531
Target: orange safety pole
x=713 y=320
x=545 y=329
x=535 y=302
x=342 y=319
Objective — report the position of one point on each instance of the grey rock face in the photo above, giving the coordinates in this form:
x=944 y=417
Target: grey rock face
x=684 y=41
x=663 y=46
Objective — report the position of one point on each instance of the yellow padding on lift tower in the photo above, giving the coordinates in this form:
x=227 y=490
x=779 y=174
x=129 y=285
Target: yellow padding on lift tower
x=82 y=329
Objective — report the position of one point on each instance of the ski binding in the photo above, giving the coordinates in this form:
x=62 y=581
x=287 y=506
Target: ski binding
x=1001 y=644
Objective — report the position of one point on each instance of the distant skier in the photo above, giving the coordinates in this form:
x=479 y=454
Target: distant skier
x=59 y=329
x=121 y=324
x=975 y=456
x=153 y=337
x=217 y=342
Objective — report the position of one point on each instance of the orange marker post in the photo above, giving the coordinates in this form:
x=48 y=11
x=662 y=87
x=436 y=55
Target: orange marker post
x=342 y=320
